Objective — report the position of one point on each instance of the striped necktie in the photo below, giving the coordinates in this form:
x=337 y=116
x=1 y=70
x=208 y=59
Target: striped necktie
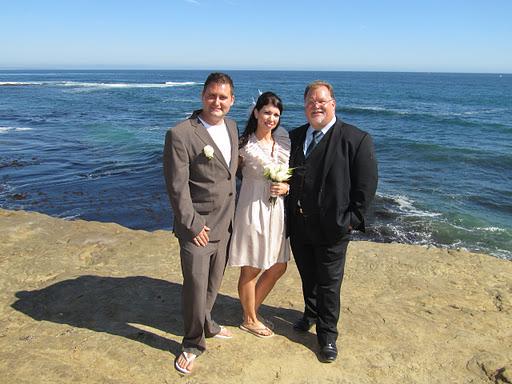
x=317 y=136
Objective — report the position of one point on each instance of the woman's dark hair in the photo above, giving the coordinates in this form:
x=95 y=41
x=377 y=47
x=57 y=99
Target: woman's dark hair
x=264 y=99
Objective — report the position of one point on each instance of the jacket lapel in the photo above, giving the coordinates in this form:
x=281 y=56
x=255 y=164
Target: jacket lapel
x=336 y=136
x=205 y=137
x=233 y=138
x=298 y=150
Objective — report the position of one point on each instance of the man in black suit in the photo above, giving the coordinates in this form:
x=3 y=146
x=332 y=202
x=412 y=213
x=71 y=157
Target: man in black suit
x=333 y=183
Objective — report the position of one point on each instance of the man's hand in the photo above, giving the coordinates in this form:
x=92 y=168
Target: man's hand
x=201 y=240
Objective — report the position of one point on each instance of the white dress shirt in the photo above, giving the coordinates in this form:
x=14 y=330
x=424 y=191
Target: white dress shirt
x=309 y=133
x=220 y=136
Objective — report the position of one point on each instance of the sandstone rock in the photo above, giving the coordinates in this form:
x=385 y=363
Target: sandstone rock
x=88 y=302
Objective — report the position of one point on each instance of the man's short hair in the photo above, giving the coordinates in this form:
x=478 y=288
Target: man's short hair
x=317 y=84
x=218 y=78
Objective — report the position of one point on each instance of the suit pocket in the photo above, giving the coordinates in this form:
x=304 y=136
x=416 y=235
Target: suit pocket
x=343 y=219
x=204 y=207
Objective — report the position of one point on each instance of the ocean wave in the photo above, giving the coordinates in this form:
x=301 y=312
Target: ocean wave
x=439 y=234
x=397 y=233
x=501 y=253
x=18 y=83
x=100 y=85
x=4 y=190
x=459 y=118
x=70 y=214
x=8 y=129
x=180 y=84
x=373 y=110
x=491 y=229
x=396 y=218
x=117 y=168
x=403 y=206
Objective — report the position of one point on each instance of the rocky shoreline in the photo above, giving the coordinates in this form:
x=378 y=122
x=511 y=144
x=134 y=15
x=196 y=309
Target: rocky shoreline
x=90 y=302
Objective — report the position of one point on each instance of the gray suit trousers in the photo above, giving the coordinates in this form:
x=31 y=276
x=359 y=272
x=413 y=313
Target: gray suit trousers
x=203 y=269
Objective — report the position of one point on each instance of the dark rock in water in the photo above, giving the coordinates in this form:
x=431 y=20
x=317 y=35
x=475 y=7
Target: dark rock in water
x=13 y=163
x=19 y=196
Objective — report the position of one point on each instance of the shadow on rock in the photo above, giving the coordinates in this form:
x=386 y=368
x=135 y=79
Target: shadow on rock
x=282 y=318
x=110 y=304
x=125 y=306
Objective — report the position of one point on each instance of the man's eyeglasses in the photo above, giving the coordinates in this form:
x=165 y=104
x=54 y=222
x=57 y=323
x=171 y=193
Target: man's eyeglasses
x=314 y=103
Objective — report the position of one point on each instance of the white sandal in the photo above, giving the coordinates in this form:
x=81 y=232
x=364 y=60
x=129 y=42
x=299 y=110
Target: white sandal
x=189 y=358
x=219 y=336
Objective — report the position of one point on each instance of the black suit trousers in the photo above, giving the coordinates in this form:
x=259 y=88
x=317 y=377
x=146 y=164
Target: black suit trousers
x=321 y=268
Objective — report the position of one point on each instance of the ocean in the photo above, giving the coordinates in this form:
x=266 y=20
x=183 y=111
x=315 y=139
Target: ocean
x=88 y=145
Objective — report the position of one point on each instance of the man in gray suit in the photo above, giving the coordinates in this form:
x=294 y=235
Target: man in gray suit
x=200 y=162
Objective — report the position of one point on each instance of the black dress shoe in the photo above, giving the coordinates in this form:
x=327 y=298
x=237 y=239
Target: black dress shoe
x=328 y=353
x=303 y=324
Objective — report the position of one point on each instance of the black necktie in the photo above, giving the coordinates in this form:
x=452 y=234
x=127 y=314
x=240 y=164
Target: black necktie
x=317 y=136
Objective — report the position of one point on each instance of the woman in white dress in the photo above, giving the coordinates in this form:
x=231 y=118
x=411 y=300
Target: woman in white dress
x=259 y=240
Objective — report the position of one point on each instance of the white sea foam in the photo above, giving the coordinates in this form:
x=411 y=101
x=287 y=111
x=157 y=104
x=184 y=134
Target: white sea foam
x=422 y=111
x=6 y=191
x=70 y=217
x=98 y=85
x=460 y=227
x=70 y=214
x=501 y=253
x=491 y=229
x=8 y=129
x=18 y=83
x=370 y=108
x=179 y=84
x=79 y=84
x=406 y=207
x=378 y=109
x=477 y=229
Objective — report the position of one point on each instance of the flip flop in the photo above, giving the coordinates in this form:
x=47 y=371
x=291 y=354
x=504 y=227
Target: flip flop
x=220 y=336
x=266 y=322
x=258 y=332
x=269 y=324
x=189 y=358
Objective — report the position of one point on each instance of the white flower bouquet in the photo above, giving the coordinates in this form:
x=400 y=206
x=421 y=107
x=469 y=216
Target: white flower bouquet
x=276 y=173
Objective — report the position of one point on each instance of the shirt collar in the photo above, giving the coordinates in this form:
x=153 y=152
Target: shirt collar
x=324 y=130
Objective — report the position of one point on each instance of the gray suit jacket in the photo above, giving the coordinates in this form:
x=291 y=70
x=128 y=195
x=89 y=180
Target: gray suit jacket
x=201 y=190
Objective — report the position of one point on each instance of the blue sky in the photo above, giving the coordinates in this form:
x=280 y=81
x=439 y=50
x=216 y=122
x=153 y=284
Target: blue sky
x=385 y=35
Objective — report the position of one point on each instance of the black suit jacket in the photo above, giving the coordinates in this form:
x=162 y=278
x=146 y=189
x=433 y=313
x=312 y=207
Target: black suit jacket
x=348 y=179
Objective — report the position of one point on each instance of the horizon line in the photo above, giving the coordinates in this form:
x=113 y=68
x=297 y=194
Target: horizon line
x=249 y=70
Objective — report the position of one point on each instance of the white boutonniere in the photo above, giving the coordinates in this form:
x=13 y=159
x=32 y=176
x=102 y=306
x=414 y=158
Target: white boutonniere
x=208 y=152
